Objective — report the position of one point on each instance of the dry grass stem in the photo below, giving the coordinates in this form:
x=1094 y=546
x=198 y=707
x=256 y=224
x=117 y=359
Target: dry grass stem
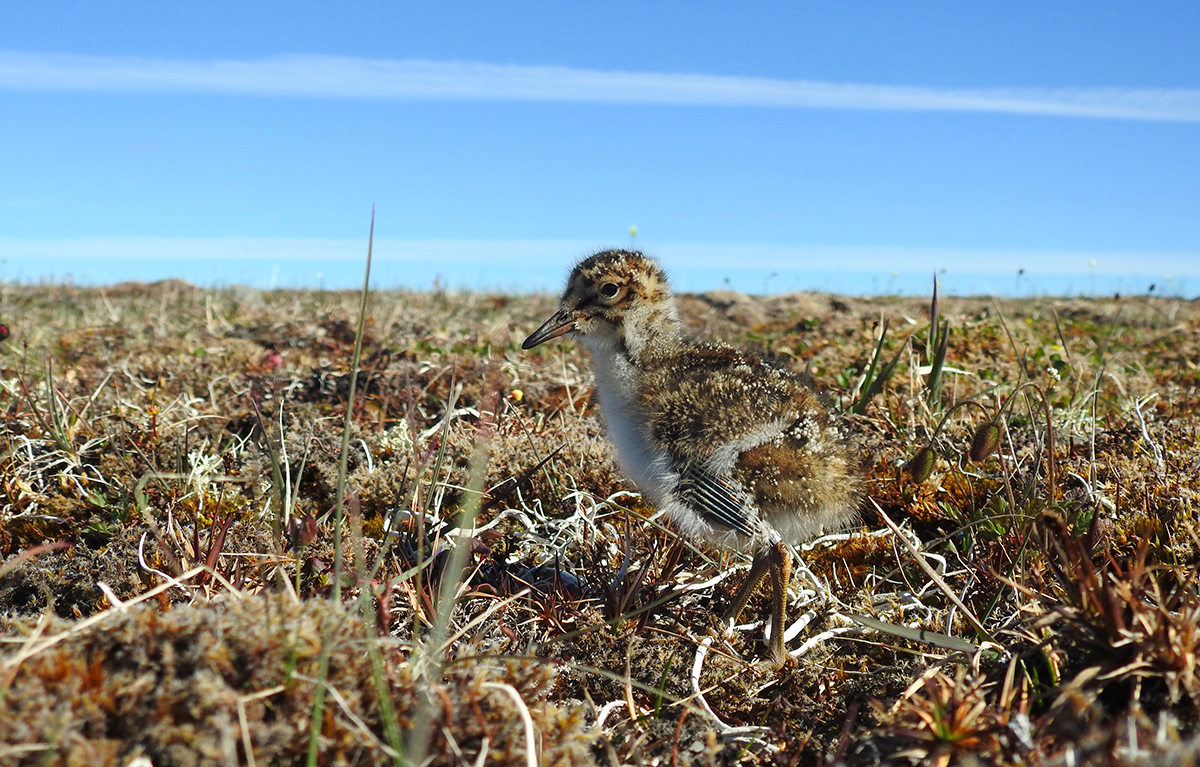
x=1021 y=588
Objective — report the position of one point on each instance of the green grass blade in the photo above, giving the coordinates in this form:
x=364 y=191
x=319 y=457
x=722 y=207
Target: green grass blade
x=936 y=366
x=878 y=381
x=342 y=458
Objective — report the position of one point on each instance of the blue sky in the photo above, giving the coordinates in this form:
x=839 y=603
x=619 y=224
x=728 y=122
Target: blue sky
x=843 y=146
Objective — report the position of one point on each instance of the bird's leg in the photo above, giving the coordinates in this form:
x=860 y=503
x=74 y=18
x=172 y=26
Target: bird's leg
x=758 y=571
x=775 y=560
x=781 y=572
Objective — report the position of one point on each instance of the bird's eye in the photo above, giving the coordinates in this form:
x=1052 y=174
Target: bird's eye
x=609 y=289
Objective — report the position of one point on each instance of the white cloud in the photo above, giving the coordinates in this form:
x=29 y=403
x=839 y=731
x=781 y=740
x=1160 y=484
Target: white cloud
x=382 y=79
x=517 y=266
x=514 y=252
x=928 y=260
x=523 y=255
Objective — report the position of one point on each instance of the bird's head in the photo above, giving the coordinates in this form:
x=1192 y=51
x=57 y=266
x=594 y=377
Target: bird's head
x=614 y=299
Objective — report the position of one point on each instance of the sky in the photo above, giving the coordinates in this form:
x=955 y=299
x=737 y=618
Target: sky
x=856 y=147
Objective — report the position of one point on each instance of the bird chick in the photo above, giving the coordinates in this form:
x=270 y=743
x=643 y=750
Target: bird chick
x=733 y=448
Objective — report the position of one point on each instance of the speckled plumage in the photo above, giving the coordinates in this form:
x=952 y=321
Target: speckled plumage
x=735 y=449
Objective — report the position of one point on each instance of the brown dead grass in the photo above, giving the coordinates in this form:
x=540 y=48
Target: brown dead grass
x=224 y=408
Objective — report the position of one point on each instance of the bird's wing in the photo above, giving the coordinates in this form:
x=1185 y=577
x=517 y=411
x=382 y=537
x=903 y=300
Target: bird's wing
x=716 y=498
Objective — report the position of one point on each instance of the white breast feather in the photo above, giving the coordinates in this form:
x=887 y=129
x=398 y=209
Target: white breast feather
x=645 y=463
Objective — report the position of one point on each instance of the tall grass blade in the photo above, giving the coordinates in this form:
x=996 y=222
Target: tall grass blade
x=342 y=458
x=434 y=647
x=935 y=366
x=933 y=320
x=876 y=378
x=318 y=711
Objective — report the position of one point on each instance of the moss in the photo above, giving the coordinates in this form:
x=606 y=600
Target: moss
x=172 y=686
x=169 y=379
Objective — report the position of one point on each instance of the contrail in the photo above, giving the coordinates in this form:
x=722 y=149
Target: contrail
x=339 y=77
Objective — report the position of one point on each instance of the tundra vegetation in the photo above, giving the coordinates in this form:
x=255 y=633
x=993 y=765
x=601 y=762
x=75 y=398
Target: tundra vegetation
x=244 y=527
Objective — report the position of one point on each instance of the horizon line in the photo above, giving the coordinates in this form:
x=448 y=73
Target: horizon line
x=356 y=78
x=539 y=253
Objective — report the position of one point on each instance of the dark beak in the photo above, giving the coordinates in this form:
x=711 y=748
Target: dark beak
x=560 y=324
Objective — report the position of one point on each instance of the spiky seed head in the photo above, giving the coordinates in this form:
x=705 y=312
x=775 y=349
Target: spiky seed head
x=985 y=442
x=921 y=465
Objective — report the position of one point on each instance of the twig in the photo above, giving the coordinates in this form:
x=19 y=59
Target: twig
x=531 y=755
x=247 y=744
x=733 y=733
x=920 y=559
